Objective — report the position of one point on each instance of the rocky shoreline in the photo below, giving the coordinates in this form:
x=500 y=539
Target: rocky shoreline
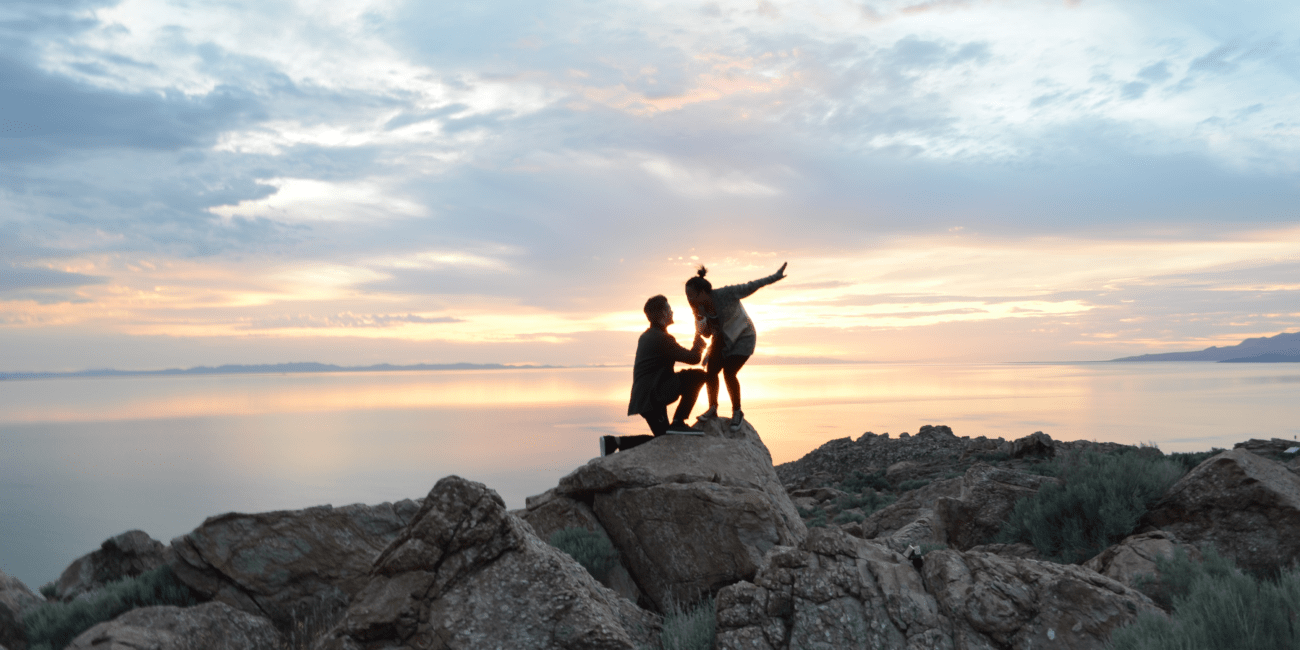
x=874 y=542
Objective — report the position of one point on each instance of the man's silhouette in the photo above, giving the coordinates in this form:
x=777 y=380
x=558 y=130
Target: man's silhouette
x=654 y=383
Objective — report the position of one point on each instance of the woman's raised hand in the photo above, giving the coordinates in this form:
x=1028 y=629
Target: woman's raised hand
x=780 y=273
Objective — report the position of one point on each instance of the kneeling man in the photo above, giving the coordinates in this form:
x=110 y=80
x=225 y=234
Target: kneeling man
x=654 y=383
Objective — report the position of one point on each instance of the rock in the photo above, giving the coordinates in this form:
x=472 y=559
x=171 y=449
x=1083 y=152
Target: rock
x=1010 y=550
x=1246 y=505
x=689 y=514
x=837 y=591
x=1136 y=556
x=1275 y=448
x=1034 y=445
x=275 y=564
x=988 y=494
x=910 y=520
x=124 y=556
x=15 y=601
x=210 y=626
x=548 y=514
x=467 y=574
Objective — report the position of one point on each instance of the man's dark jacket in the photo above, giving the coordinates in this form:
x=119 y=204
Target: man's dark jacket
x=654 y=384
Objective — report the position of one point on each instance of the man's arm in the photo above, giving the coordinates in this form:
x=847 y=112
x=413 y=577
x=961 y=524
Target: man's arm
x=672 y=348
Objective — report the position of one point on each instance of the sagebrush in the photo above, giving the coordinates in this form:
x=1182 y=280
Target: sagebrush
x=689 y=628
x=52 y=626
x=1098 y=503
x=1215 y=606
x=592 y=549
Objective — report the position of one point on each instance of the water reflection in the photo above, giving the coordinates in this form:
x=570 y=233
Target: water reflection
x=84 y=459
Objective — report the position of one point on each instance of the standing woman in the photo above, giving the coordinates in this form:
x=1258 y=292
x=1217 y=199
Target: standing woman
x=719 y=314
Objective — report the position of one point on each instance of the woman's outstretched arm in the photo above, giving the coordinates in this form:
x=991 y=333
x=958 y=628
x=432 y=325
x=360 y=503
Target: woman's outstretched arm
x=747 y=289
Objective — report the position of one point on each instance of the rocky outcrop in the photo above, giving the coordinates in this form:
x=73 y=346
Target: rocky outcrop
x=959 y=513
x=1136 y=556
x=1034 y=445
x=467 y=574
x=123 y=556
x=689 y=514
x=15 y=600
x=210 y=626
x=1246 y=505
x=838 y=591
x=549 y=513
x=276 y=564
x=988 y=495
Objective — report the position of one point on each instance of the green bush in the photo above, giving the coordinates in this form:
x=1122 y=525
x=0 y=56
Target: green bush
x=49 y=590
x=848 y=516
x=1215 y=607
x=868 y=501
x=592 y=549
x=1189 y=460
x=815 y=518
x=859 y=482
x=1100 y=502
x=689 y=629
x=53 y=625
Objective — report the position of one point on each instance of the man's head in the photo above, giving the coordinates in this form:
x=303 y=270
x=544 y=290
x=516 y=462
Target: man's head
x=658 y=312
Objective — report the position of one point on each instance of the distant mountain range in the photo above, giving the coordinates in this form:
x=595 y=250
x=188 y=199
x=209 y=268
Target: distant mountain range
x=1284 y=347
x=272 y=368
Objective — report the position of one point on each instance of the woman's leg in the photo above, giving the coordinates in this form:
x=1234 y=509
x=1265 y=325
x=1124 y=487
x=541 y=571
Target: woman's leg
x=713 y=366
x=731 y=366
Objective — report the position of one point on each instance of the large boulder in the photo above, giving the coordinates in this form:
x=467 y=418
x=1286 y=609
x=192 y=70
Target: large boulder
x=468 y=574
x=123 y=556
x=1135 y=557
x=988 y=495
x=549 y=513
x=838 y=591
x=282 y=564
x=210 y=626
x=15 y=601
x=960 y=513
x=689 y=514
x=1246 y=505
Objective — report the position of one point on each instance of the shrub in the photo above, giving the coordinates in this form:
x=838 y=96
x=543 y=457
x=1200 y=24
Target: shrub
x=1215 y=606
x=815 y=518
x=858 y=482
x=914 y=484
x=868 y=501
x=49 y=590
x=1100 y=502
x=993 y=456
x=848 y=516
x=1190 y=460
x=53 y=625
x=932 y=546
x=689 y=629
x=592 y=549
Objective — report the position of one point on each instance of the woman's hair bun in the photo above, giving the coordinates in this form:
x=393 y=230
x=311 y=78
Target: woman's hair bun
x=701 y=271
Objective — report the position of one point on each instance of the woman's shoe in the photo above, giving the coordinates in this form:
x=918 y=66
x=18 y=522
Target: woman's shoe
x=737 y=417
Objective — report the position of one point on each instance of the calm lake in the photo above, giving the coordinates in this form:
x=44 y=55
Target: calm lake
x=84 y=459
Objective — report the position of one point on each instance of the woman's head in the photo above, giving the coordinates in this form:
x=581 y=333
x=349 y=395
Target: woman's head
x=697 y=287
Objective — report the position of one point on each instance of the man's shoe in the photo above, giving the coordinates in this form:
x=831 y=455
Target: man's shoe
x=736 y=418
x=608 y=445
x=710 y=414
x=680 y=428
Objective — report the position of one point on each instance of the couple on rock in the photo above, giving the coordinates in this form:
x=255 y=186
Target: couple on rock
x=719 y=316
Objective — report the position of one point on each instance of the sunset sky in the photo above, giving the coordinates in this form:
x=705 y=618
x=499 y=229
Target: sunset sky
x=200 y=183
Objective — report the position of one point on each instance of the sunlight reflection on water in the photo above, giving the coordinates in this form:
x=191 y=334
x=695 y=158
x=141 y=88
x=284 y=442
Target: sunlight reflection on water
x=84 y=459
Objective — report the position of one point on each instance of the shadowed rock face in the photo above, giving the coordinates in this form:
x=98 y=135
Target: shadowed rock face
x=1136 y=556
x=15 y=600
x=1247 y=506
x=689 y=514
x=467 y=574
x=276 y=564
x=124 y=556
x=549 y=513
x=210 y=626
x=838 y=591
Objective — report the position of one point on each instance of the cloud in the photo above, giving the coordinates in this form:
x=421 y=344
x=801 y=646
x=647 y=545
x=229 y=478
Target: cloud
x=14 y=278
x=343 y=320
